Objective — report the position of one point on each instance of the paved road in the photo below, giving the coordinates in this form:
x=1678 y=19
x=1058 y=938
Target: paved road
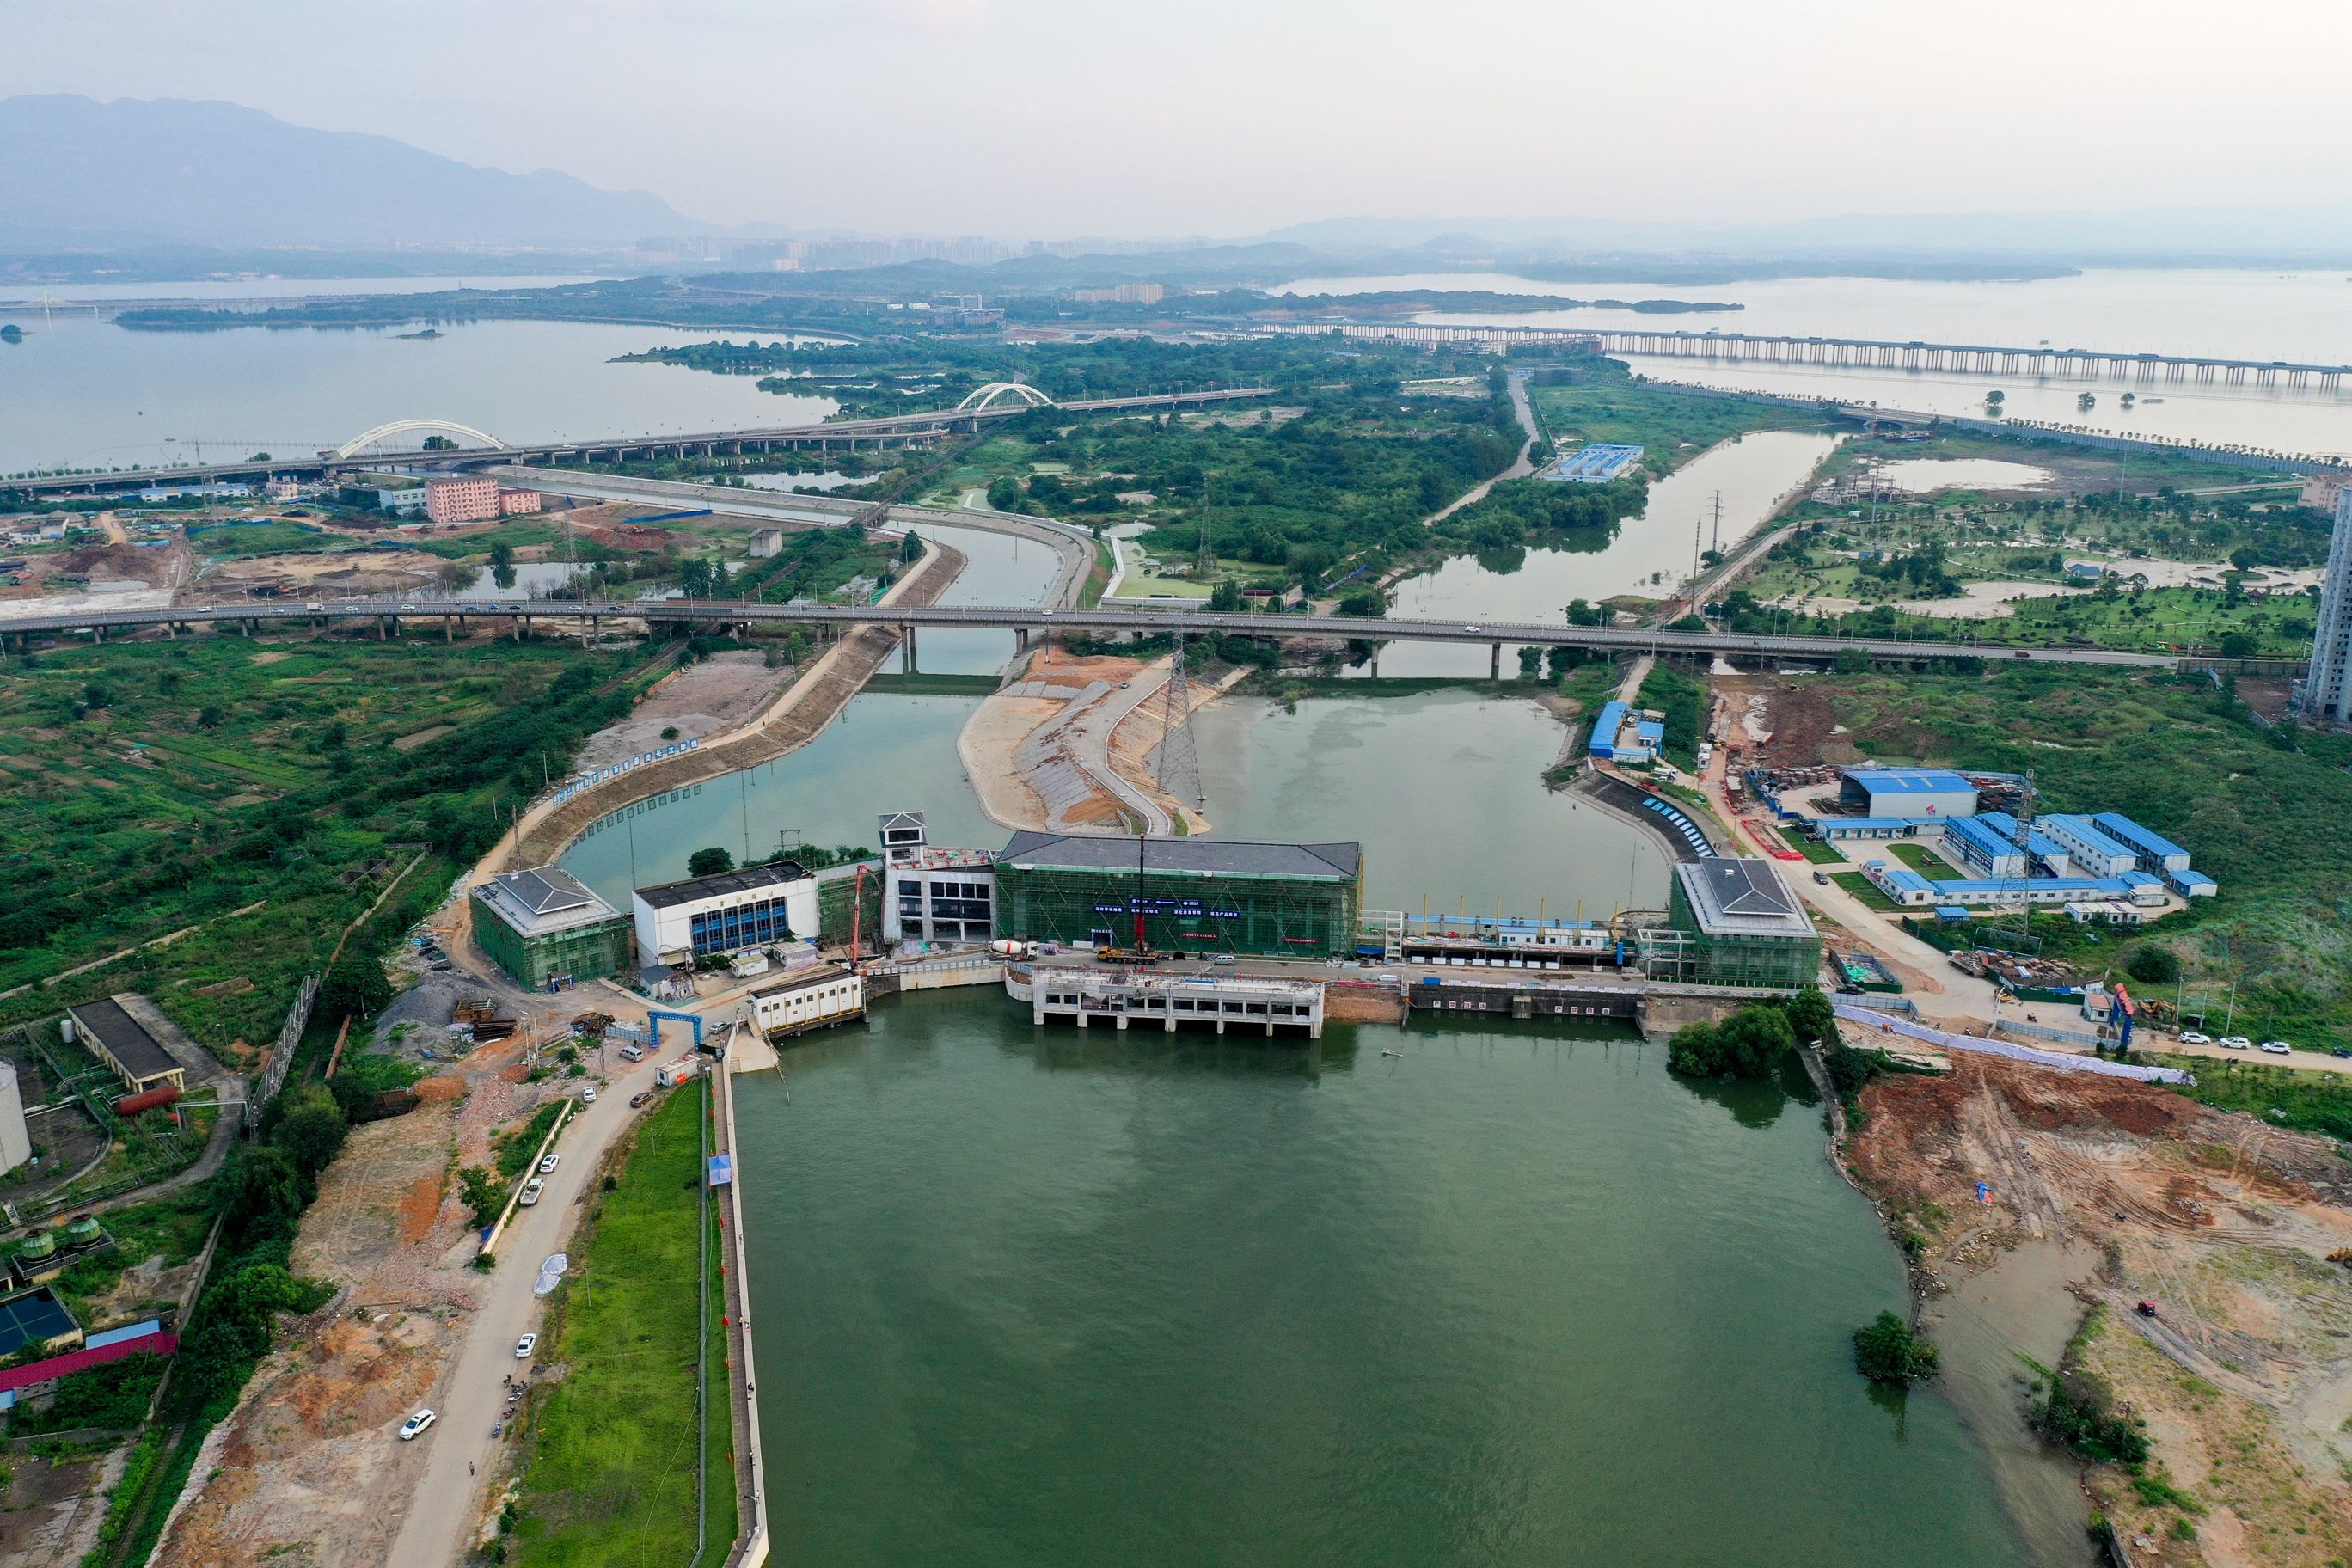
x=1029 y=617
x=1521 y=466
x=1090 y=735
x=438 y=1519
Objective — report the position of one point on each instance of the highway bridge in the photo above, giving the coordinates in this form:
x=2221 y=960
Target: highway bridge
x=1873 y=353
x=1030 y=620
x=472 y=447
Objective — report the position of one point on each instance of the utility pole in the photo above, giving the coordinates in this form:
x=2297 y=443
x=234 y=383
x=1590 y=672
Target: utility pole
x=1717 y=538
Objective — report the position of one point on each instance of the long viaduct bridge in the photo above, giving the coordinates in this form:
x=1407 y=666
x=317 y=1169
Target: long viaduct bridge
x=388 y=615
x=472 y=447
x=1874 y=354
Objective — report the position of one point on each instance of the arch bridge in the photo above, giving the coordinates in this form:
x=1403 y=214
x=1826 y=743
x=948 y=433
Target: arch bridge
x=983 y=396
x=481 y=440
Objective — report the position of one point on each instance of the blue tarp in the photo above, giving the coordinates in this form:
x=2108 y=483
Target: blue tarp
x=722 y=1170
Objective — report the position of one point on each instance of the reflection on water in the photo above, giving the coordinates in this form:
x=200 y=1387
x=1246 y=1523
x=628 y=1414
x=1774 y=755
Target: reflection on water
x=1646 y=555
x=1028 y=1296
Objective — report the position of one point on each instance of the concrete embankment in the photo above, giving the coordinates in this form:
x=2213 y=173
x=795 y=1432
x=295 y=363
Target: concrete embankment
x=750 y=1548
x=795 y=718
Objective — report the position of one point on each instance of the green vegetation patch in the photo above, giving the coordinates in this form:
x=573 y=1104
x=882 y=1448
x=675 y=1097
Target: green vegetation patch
x=1683 y=701
x=2292 y=1097
x=1580 y=408
x=2259 y=809
x=609 y=1473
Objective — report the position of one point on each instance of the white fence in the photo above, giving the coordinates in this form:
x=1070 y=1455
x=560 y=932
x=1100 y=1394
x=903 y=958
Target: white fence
x=595 y=776
x=281 y=1056
x=1978 y=1043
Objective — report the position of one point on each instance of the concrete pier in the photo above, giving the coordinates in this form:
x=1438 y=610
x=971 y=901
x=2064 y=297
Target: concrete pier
x=1253 y=1005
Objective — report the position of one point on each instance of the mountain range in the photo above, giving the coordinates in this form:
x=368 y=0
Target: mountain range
x=81 y=174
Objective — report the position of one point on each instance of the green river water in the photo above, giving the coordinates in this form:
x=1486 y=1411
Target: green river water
x=1036 y=1297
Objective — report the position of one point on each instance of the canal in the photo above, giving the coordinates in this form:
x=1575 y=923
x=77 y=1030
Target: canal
x=1456 y=1294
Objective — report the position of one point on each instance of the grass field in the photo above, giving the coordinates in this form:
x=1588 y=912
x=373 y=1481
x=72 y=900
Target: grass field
x=608 y=1478
x=1926 y=861
x=147 y=788
x=1863 y=888
x=2262 y=811
x=1671 y=427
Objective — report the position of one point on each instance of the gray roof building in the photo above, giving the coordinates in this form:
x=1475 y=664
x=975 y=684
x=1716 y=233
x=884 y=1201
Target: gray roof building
x=1742 y=898
x=1183 y=856
x=544 y=900
x=123 y=1042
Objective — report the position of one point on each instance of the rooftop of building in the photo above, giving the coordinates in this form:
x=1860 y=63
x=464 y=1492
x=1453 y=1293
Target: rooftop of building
x=2116 y=824
x=801 y=979
x=125 y=1038
x=1908 y=781
x=2086 y=830
x=1908 y=880
x=744 y=879
x=1185 y=857
x=543 y=898
x=1733 y=896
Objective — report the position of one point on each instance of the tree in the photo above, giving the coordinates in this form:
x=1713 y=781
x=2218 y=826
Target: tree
x=309 y=1129
x=355 y=987
x=1852 y=660
x=2153 y=966
x=1812 y=1016
x=1886 y=1351
x=482 y=1192
x=708 y=862
x=1530 y=662
x=1225 y=597
x=1005 y=493
x=2239 y=645
x=1749 y=1044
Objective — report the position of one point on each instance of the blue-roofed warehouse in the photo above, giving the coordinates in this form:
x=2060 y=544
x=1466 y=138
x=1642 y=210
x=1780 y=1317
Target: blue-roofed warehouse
x=1907 y=792
x=2092 y=851
x=1595 y=465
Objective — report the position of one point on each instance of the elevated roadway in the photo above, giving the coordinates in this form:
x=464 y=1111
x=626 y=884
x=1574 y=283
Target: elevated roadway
x=1031 y=620
x=850 y=433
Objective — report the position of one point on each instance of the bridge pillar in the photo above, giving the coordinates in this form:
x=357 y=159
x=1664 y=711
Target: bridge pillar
x=1494 y=661
x=448 y=629
x=100 y=631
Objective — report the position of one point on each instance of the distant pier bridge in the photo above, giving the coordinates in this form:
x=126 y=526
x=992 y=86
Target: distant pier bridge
x=1874 y=354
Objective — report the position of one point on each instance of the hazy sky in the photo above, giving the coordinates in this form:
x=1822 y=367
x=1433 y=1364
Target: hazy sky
x=1172 y=117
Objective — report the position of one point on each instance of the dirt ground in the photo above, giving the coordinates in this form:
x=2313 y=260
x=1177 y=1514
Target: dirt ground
x=699 y=701
x=55 y=1508
x=306 y=1471
x=2224 y=1224
x=349 y=571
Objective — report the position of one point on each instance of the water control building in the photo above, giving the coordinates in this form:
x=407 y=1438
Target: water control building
x=1736 y=922
x=546 y=928
x=1213 y=895
x=705 y=917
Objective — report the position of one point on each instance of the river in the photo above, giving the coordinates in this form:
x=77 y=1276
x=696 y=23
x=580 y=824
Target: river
x=2304 y=316
x=83 y=393
x=1647 y=555
x=1032 y=1297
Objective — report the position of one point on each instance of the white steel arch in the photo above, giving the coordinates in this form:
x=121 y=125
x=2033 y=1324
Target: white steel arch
x=367 y=438
x=981 y=398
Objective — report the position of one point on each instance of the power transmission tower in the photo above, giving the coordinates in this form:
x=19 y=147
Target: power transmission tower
x=1179 y=773
x=1717 y=539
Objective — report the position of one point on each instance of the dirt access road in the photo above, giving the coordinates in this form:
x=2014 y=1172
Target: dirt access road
x=440 y=1517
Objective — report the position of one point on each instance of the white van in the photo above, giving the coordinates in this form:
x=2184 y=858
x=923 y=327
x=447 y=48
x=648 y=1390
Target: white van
x=632 y=1053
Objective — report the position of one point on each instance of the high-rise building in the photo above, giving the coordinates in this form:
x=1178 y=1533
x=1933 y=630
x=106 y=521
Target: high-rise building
x=2327 y=688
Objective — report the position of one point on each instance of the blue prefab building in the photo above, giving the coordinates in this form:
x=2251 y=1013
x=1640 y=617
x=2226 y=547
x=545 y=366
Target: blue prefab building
x=2092 y=851
x=2156 y=852
x=1907 y=792
x=1595 y=465
x=1605 y=725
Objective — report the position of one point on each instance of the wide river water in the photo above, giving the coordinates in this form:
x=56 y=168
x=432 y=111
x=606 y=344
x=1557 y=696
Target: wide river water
x=1027 y=1296
x=2233 y=313
x=1036 y=1297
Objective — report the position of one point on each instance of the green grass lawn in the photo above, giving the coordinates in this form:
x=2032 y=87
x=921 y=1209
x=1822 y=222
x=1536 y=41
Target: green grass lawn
x=1671 y=427
x=1926 y=861
x=1863 y=888
x=2304 y=1100
x=1815 y=850
x=608 y=1477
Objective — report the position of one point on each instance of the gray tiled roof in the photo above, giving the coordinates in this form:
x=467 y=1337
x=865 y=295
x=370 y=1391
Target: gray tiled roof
x=1742 y=898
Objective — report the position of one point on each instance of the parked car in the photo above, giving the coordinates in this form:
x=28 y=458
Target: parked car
x=2275 y=1047
x=2341 y=1051
x=1221 y=958
x=546 y=1167
x=525 y=1345
x=2191 y=1037
x=637 y=1100
x=588 y=1095
x=416 y=1424
x=530 y=1191
x=2236 y=1042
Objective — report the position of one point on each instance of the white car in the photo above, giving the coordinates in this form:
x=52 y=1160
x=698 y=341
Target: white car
x=588 y=1095
x=1473 y=629
x=530 y=1191
x=2236 y=1042
x=416 y=1424
x=525 y=1345
x=2275 y=1047
x=2191 y=1037
x=546 y=1167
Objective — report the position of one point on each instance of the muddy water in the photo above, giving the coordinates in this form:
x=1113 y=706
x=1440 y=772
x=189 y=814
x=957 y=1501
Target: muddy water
x=2021 y=1306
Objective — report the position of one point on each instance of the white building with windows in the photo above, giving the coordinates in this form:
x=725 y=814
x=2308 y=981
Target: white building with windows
x=934 y=894
x=702 y=916
x=15 y=1141
x=2326 y=689
x=815 y=999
